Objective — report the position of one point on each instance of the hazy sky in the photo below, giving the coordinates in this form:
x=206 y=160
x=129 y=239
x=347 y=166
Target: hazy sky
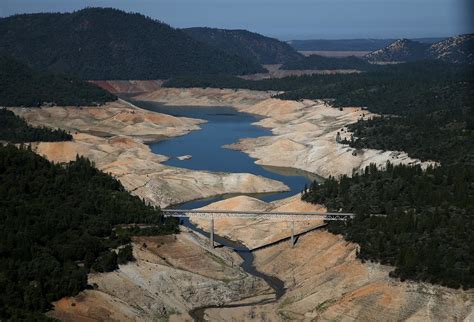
x=289 y=19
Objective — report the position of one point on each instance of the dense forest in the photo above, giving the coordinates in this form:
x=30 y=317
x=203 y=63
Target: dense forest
x=14 y=129
x=23 y=86
x=329 y=63
x=105 y=43
x=246 y=44
x=426 y=232
x=57 y=224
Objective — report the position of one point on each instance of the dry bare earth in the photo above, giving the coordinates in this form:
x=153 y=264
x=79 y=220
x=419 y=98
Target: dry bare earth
x=171 y=276
x=304 y=137
x=205 y=97
x=325 y=281
x=113 y=137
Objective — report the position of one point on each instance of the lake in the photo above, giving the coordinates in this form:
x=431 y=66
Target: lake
x=225 y=125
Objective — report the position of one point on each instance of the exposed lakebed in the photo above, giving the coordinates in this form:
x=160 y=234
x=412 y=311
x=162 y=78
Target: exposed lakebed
x=224 y=125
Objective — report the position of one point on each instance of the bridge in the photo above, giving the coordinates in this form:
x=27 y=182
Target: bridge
x=283 y=216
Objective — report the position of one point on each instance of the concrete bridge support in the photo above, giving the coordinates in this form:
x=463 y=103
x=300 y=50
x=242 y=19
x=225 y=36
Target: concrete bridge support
x=212 y=232
x=292 y=239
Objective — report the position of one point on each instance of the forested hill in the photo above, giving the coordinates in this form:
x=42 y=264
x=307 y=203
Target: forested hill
x=246 y=44
x=455 y=50
x=57 y=224
x=23 y=86
x=104 y=43
x=426 y=232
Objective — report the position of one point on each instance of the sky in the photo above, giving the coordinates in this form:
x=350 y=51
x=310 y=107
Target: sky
x=289 y=19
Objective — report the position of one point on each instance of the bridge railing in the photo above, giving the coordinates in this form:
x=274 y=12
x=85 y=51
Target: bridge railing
x=290 y=216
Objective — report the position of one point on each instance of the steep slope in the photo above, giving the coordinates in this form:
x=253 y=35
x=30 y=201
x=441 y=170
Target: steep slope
x=104 y=43
x=22 y=86
x=400 y=50
x=458 y=50
x=246 y=44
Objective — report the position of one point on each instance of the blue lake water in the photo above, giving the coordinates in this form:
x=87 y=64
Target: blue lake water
x=225 y=125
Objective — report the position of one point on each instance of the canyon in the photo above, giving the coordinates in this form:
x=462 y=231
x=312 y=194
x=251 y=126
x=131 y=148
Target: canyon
x=180 y=277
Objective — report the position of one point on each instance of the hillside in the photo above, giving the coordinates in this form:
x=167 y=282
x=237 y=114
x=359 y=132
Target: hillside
x=427 y=222
x=246 y=44
x=400 y=50
x=349 y=44
x=98 y=43
x=23 y=86
x=456 y=50
x=57 y=224
x=14 y=129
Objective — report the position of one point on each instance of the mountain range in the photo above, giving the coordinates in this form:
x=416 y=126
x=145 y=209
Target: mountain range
x=457 y=50
x=105 y=43
x=108 y=44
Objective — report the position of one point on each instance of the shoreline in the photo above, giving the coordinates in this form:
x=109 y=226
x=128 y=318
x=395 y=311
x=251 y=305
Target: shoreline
x=303 y=132
x=121 y=151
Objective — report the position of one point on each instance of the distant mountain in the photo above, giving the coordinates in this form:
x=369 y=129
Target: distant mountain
x=22 y=86
x=458 y=49
x=349 y=44
x=246 y=44
x=400 y=50
x=99 y=43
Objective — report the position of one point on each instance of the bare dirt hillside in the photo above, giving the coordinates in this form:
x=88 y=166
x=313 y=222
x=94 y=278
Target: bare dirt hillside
x=304 y=137
x=324 y=280
x=171 y=276
x=205 y=96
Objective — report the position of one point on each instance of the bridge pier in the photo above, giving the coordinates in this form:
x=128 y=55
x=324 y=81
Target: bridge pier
x=292 y=240
x=212 y=232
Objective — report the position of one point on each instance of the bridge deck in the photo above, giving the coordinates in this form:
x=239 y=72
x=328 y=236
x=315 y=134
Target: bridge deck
x=290 y=216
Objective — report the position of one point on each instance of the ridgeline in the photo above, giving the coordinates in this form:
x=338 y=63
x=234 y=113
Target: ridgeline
x=105 y=43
